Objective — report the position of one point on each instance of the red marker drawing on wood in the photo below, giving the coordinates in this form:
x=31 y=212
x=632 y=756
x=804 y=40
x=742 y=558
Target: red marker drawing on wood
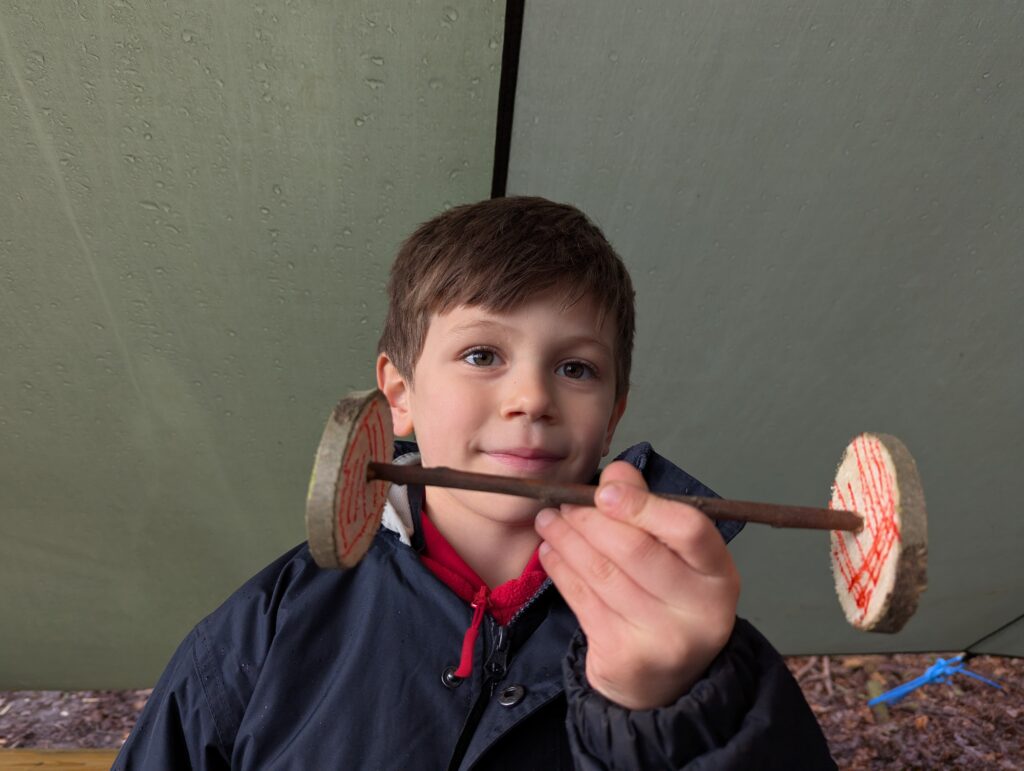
x=861 y=568
x=877 y=515
x=343 y=508
x=880 y=571
x=370 y=442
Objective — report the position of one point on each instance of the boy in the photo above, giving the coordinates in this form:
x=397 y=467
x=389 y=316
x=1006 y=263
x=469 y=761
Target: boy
x=479 y=632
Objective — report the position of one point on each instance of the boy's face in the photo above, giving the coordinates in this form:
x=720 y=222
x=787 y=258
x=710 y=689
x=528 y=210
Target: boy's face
x=527 y=393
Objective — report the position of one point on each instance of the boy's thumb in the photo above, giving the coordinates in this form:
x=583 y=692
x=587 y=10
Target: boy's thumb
x=621 y=490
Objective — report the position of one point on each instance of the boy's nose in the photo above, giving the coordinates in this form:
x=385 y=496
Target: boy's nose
x=529 y=396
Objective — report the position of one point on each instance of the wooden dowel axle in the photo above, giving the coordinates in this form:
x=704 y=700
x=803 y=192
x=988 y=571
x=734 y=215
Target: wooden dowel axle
x=556 y=493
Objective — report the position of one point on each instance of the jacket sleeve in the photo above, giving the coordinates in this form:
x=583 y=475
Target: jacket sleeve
x=178 y=728
x=747 y=712
x=192 y=718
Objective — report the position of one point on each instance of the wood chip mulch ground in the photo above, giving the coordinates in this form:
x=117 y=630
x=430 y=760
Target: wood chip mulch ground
x=962 y=724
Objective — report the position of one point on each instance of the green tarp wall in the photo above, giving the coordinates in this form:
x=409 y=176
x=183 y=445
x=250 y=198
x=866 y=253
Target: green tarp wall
x=821 y=205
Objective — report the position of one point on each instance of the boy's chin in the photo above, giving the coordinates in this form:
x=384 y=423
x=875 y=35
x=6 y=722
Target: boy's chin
x=507 y=509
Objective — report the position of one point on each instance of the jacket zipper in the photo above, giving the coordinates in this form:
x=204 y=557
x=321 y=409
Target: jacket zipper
x=495 y=668
x=536 y=595
x=496 y=664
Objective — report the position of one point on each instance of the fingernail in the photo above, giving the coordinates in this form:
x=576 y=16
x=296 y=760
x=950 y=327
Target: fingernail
x=544 y=547
x=610 y=495
x=544 y=517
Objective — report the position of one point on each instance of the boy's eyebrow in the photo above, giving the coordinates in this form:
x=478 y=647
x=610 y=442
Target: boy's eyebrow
x=473 y=326
x=587 y=339
x=488 y=324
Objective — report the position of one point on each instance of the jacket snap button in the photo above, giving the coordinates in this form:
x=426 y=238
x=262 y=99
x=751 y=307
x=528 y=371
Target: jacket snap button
x=511 y=695
x=449 y=679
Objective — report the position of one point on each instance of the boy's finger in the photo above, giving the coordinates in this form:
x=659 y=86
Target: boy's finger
x=600 y=575
x=653 y=565
x=589 y=608
x=622 y=494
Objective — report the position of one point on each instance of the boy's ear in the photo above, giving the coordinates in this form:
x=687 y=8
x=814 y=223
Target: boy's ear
x=613 y=422
x=397 y=391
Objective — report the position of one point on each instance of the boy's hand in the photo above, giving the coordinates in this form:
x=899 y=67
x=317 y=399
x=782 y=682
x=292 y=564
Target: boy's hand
x=652 y=584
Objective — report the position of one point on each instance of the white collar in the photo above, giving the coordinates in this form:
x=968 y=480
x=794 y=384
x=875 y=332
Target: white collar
x=397 y=516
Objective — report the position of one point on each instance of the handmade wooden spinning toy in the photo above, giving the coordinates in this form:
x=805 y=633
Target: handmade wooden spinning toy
x=877 y=516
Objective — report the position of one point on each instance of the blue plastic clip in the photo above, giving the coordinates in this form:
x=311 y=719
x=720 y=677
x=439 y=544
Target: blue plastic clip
x=939 y=672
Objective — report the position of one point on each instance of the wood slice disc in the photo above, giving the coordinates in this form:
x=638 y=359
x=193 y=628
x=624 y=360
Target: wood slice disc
x=880 y=571
x=343 y=510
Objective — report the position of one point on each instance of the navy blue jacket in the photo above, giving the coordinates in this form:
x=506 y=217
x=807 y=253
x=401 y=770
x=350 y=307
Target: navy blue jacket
x=304 y=668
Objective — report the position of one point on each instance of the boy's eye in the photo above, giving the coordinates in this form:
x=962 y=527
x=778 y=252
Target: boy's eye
x=576 y=370
x=481 y=357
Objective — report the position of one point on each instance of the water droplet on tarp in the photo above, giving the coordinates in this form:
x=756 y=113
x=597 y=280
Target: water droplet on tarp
x=34 y=60
x=450 y=14
x=188 y=35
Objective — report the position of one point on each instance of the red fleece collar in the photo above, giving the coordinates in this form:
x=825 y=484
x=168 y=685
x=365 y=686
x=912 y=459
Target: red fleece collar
x=503 y=602
x=445 y=563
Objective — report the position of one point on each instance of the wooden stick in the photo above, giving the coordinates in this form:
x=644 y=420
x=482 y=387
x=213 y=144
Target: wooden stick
x=556 y=493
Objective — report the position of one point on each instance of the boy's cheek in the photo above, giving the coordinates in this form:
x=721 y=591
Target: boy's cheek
x=618 y=410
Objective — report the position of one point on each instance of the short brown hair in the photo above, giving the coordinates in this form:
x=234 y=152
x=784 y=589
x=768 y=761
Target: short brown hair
x=497 y=254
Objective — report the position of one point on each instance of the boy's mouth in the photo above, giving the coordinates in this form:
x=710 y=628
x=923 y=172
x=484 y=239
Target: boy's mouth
x=528 y=459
